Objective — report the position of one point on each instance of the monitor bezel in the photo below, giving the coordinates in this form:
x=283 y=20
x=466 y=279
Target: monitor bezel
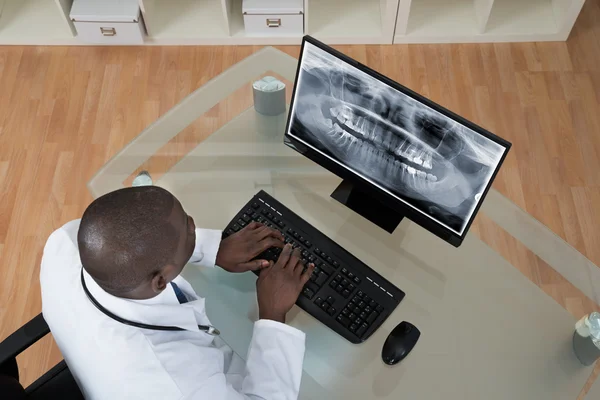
x=436 y=227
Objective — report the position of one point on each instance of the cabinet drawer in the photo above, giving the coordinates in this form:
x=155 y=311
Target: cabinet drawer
x=110 y=32
x=274 y=24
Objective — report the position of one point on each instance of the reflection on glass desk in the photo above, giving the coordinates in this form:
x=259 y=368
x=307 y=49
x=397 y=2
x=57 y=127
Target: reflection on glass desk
x=487 y=331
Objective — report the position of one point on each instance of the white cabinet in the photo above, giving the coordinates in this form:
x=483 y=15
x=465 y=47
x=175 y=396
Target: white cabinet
x=456 y=21
x=220 y=22
x=35 y=22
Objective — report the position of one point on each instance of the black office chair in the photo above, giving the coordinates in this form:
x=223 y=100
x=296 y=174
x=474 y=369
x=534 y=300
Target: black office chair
x=57 y=383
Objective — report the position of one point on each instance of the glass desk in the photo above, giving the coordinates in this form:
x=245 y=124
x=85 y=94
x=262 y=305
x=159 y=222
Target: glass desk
x=488 y=332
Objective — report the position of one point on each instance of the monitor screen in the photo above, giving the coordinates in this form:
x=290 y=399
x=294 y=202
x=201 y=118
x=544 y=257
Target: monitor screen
x=385 y=134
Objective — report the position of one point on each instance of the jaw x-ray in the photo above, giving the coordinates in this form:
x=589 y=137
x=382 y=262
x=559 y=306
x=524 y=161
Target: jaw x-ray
x=425 y=159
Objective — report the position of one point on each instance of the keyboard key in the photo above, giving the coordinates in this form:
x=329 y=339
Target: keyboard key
x=329 y=260
x=360 y=294
x=358 y=321
x=308 y=244
x=330 y=300
x=241 y=223
x=308 y=293
x=318 y=251
x=356 y=300
x=356 y=310
x=344 y=283
x=367 y=299
x=321 y=278
x=295 y=235
x=345 y=271
x=368 y=309
x=311 y=258
x=270 y=216
x=339 y=278
x=324 y=306
x=325 y=267
x=356 y=280
x=255 y=205
x=333 y=283
x=351 y=288
x=362 y=304
x=350 y=275
x=236 y=227
x=331 y=311
x=373 y=304
x=345 y=311
x=318 y=263
x=379 y=309
x=343 y=320
x=255 y=215
x=372 y=317
x=346 y=293
x=249 y=211
x=312 y=287
x=313 y=277
x=305 y=254
x=336 y=264
x=353 y=328
x=361 y=331
x=339 y=288
x=229 y=232
x=264 y=211
x=319 y=301
x=352 y=316
x=363 y=315
x=246 y=218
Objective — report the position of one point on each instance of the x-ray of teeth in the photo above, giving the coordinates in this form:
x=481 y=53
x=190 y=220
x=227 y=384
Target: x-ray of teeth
x=427 y=160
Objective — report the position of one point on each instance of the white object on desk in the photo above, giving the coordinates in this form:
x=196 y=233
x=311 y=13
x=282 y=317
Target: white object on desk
x=269 y=96
x=108 y=21
x=273 y=17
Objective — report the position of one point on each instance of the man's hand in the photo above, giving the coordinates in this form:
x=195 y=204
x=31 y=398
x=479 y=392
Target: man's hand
x=236 y=251
x=279 y=285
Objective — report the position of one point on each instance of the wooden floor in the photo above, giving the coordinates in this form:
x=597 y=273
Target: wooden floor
x=65 y=110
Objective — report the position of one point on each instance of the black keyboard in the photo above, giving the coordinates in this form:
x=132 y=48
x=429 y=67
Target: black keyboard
x=343 y=292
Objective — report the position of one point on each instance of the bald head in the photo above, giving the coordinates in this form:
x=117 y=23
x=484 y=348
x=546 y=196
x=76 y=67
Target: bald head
x=135 y=240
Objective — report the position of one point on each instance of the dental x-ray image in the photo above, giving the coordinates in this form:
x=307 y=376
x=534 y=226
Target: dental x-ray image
x=430 y=162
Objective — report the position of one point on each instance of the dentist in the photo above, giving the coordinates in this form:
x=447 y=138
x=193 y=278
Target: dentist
x=130 y=327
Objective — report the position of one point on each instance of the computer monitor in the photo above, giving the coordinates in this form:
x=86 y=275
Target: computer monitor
x=398 y=153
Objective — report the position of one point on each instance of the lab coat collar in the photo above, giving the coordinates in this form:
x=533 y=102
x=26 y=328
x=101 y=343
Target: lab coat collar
x=164 y=309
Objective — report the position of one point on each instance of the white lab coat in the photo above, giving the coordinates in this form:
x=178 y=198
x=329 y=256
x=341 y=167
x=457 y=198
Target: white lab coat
x=110 y=360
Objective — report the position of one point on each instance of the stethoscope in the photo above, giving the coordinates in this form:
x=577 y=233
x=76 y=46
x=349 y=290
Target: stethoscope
x=211 y=330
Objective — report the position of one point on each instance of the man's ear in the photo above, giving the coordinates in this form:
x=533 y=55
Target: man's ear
x=159 y=283
x=161 y=279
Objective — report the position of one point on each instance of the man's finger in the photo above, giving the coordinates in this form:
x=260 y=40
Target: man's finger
x=267 y=243
x=284 y=256
x=306 y=274
x=265 y=232
x=253 y=225
x=253 y=265
x=294 y=259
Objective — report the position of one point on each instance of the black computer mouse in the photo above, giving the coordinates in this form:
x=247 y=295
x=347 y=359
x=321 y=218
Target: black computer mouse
x=399 y=343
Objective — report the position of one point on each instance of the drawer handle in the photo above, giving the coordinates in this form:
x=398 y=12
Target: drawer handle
x=273 y=22
x=108 y=31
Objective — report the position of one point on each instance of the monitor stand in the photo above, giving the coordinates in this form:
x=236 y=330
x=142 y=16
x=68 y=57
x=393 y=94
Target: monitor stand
x=366 y=206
